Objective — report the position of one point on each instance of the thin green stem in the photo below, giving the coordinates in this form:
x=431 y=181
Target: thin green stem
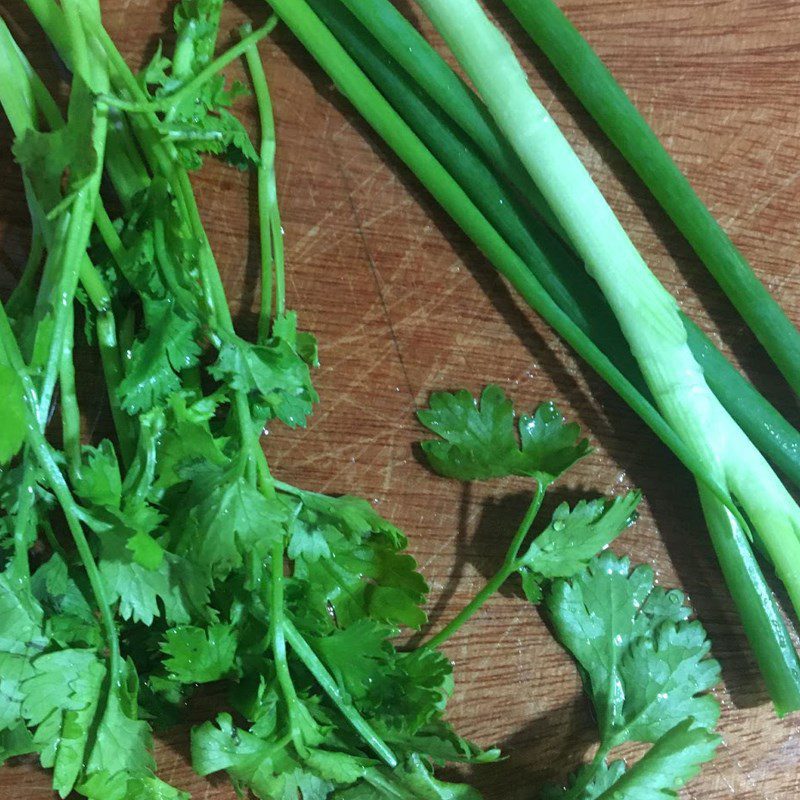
x=267 y=199
x=191 y=88
x=70 y=414
x=277 y=632
x=23 y=518
x=80 y=214
x=24 y=292
x=331 y=688
x=280 y=279
x=509 y=566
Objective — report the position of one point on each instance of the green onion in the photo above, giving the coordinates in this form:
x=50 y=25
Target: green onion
x=616 y=115
x=448 y=129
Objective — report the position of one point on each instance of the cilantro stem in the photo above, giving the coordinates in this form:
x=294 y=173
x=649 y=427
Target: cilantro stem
x=269 y=223
x=510 y=565
x=331 y=688
x=278 y=635
x=70 y=415
x=190 y=88
x=22 y=117
x=22 y=518
x=25 y=287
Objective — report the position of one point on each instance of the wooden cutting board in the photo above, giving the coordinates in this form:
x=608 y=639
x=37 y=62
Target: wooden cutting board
x=403 y=304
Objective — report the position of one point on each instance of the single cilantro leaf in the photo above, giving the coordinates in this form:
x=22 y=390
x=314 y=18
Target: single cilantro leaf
x=284 y=327
x=410 y=692
x=186 y=443
x=366 y=576
x=339 y=768
x=352 y=516
x=667 y=766
x=307 y=542
x=665 y=675
x=70 y=620
x=356 y=654
x=267 y=768
x=573 y=537
x=181 y=588
x=12 y=431
x=16 y=741
x=198 y=655
x=640 y=668
x=59 y=162
x=479 y=438
x=169 y=346
x=212 y=129
x=123 y=743
x=21 y=639
x=99 y=481
x=233 y=519
x=62 y=696
x=647 y=671
x=274 y=375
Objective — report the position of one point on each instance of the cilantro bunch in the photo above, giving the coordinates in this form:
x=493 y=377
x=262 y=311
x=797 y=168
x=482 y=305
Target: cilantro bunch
x=134 y=570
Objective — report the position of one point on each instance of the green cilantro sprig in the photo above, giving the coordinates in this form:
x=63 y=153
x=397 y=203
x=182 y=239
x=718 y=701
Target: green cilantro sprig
x=481 y=439
x=644 y=664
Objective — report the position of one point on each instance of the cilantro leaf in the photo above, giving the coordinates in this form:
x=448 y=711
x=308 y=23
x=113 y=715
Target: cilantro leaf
x=59 y=162
x=573 y=537
x=669 y=764
x=124 y=786
x=21 y=639
x=275 y=375
x=268 y=769
x=646 y=668
x=182 y=589
x=99 y=481
x=197 y=655
x=200 y=123
x=356 y=655
x=62 y=696
x=70 y=620
x=610 y=618
x=231 y=519
x=478 y=439
x=169 y=346
x=12 y=432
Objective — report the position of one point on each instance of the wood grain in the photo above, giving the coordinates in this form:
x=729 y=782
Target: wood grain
x=403 y=305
